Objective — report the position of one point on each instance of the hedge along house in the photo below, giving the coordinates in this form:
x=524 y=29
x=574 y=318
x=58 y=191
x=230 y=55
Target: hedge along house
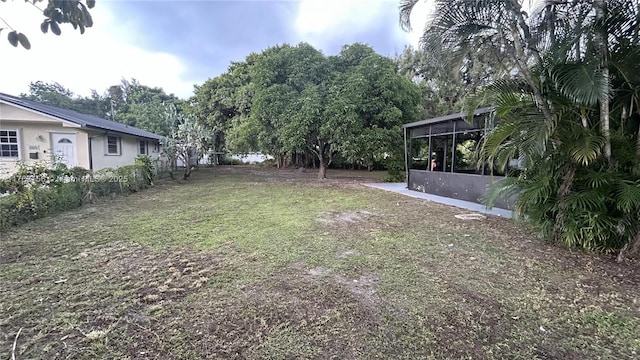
x=440 y=161
x=31 y=132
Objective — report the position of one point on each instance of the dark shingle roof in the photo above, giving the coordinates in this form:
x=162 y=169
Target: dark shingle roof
x=462 y=115
x=85 y=121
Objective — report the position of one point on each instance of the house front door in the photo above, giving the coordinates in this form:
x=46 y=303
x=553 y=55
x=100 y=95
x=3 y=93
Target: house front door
x=64 y=148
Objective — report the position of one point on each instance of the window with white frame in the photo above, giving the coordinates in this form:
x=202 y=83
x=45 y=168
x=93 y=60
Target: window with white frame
x=113 y=145
x=143 y=147
x=156 y=147
x=9 y=144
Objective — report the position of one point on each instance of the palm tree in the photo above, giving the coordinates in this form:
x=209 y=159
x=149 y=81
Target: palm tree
x=569 y=110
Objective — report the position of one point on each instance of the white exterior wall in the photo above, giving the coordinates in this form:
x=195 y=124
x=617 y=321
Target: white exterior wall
x=129 y=150
x=34 y=136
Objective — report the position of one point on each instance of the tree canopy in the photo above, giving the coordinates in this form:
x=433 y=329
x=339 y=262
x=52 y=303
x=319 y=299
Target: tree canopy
x=129 y=103
x=295 y=102
x=445 y=77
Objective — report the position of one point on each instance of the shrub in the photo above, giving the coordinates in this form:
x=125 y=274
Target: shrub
x=34 y=203
x=268 y=163
x=230 y=161
x=36 y=190
x=145 y=164
x=395 y=169
x=394 y=175
x=79 y=173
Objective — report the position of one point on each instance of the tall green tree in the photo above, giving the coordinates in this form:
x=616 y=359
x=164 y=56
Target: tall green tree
x=379 y=101
x=142 y=106
x=351 y=104
x=57 y=95
x=53 y=94
x=293 y=102
x=220 y=100
x=284 y=111
x=129 y=102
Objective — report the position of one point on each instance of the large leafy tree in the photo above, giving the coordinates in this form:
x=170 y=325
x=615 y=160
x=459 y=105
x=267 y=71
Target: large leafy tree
x=304 y=103
x=142 y=106
x=378 y=102
x=568 y=111
x=223 y=100
x=56 y=13
x=287 y=101
x=55 y=94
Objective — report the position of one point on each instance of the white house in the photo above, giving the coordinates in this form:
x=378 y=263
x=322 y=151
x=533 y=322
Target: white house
x=31 y=131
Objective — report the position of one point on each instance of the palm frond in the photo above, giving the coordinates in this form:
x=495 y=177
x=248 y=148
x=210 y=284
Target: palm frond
x=502 y=189
x=580 y=202
x=582 y=83
x=598 y=179
x=586 y=149
x=406 y=6
x=628 y=196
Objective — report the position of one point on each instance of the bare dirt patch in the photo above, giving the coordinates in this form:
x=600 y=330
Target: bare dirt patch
x=363 y=287
x=319 y=271
x=104 y=292
x=284 y=316
x=346 y=218
x=159 y=277
x=364 y=290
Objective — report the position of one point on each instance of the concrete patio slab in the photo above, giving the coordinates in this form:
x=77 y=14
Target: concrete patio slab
x=401 y=188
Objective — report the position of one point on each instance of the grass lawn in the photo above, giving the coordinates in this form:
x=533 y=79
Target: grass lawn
x=248 y=262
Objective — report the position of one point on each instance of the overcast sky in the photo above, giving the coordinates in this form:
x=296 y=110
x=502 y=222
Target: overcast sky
x=175 y=44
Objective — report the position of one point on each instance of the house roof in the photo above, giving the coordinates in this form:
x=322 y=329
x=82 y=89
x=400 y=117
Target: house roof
x=461 y=115
x=85 y=121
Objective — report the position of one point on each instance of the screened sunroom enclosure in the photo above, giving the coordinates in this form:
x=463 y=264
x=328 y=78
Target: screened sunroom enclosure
x=439 y=155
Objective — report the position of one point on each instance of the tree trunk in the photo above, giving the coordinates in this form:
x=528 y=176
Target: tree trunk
x=585 y=123
x=603 y=49
x=631 y=248
x=638 y=144
x=563 y=191
x=551 y=20
x=323 y=161
x=187 y=173
x=322 y=172
x=604 y=117
x=525 y=31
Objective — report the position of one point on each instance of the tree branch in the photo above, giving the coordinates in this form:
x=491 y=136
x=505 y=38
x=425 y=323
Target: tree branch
x=521 y=62
x=5 y=21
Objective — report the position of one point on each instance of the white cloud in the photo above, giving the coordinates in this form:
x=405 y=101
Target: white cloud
x=318 y=21
x=95 y=60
